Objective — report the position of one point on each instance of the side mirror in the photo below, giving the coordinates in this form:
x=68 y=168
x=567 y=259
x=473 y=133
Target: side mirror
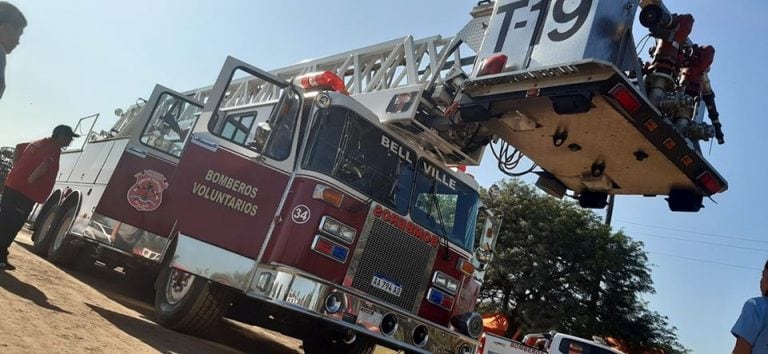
x=260 y=136
x=489 y=234
x=494 y=191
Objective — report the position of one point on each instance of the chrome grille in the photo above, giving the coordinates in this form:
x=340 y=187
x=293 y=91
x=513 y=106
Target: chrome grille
x=396 y=256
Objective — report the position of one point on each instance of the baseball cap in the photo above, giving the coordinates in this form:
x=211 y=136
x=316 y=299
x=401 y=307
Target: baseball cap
x=64 y=130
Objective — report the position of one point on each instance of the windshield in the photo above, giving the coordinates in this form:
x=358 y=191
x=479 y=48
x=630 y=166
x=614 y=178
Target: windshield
x=444 y=205
x=346 y=146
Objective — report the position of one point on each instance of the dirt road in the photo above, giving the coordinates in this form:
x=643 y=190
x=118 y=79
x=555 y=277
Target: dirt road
x=46 y=309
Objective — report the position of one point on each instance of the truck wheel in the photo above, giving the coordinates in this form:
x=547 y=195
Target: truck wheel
x=188 y=303
x=60 y=250
x=41 y=235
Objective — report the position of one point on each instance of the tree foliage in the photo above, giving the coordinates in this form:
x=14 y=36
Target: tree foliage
x=559 y=267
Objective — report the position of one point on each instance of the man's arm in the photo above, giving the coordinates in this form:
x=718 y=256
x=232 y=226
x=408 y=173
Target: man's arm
x=749 y=325
x=39 y=171
x=742 y=346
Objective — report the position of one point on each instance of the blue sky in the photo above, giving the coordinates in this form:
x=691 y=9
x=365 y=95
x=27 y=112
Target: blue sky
x=82 y=57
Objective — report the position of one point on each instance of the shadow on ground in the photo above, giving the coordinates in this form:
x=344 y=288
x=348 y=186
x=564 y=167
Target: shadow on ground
x=227 y=337
x=27 y=291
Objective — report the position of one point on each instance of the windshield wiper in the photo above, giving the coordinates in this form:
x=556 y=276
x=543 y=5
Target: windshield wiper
x=444 y=236
x=394 y=180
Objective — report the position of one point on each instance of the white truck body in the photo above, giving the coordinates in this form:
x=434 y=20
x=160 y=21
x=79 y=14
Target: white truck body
x=560 y=344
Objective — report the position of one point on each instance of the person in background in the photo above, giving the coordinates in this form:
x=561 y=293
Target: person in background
x=31 y=180
x=750 y=328
x=12 y=23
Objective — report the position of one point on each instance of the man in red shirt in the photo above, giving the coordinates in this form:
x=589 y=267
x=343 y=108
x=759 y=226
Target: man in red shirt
x=31 y=180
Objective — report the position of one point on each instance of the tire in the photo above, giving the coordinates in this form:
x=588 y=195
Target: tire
x=41 y=236
x=189 y=304
x=60 y=250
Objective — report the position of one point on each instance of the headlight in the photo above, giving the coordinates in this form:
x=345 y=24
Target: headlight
x=347 y=233
x=335 y=228
x=331 y=226
x=445 y=282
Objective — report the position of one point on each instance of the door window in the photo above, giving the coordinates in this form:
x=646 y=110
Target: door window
x=237 y=127
x=257 y=115
x=170 y=124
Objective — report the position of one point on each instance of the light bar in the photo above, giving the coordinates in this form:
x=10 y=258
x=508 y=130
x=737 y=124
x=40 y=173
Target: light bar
x=322 y=80
x=330 y=249
x=440 y=298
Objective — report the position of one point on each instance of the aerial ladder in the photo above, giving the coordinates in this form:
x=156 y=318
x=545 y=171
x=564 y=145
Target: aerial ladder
x=557 y=82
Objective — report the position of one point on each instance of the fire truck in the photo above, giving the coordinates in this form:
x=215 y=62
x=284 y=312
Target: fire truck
x=324 y=199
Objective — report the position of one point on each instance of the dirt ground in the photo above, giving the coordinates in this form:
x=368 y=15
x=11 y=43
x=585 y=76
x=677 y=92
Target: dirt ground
x=46 y=309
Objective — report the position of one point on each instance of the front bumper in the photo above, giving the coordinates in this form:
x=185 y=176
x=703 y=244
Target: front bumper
x=300 y=292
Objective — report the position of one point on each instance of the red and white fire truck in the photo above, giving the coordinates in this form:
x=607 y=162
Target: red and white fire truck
x=318 y=199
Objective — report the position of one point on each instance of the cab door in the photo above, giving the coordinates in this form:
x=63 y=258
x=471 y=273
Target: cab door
x=145 y=157
x=235 y=172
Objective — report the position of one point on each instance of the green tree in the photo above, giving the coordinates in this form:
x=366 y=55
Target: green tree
x=559 y=267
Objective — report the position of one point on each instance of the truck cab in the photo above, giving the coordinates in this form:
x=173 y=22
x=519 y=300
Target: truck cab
x=301 y=206
x=281 y=204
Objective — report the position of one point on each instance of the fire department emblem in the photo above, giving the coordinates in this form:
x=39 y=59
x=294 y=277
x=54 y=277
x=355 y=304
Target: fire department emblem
x=147 y=193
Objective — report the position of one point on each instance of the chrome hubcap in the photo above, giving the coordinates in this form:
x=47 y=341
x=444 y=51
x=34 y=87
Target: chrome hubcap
x=178 y=285
x=63 y=229
x=45 y=228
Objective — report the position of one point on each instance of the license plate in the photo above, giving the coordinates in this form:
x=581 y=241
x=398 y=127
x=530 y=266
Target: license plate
x=387 y=285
